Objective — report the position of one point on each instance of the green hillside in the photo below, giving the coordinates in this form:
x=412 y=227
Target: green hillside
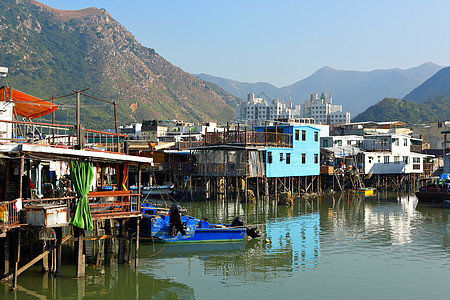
x=52 y=52
x=437 y=85
x=409 y=112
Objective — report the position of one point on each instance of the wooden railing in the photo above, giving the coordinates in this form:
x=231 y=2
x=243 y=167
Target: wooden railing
x=108 y=203
x=60 y=135
x=250 y=138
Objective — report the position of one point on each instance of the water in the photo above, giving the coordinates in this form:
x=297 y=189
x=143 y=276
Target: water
x=382 y=247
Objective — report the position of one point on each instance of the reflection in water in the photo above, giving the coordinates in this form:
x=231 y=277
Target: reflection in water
x=354 y=245
x=296 y=238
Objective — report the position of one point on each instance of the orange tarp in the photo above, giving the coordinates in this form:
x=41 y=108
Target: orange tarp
x=27 y=106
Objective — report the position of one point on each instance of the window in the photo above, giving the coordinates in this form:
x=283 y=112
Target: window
x=316 y=158
x=288 y=158
x=297 y=135
x=405 y=142
x=316 y=136
x=386 y=159
x=370 y=159
x=339 y=142
x=281 y=157
x=303 y=158
x=396 y=142
x=303 y=135
x=416 y=160
x=269 y=157
x=406 y=160
x=396 y=159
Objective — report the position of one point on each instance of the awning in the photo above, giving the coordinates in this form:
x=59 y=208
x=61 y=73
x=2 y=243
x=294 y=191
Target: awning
x=27 y=106
x=53 y=153
x=342 y=151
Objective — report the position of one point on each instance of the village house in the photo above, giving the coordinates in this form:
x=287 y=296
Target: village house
x=391 y=154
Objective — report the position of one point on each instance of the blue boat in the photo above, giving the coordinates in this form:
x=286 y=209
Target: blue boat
x=171 y=226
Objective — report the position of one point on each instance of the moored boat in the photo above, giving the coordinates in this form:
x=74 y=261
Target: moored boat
x=435 y=189
x=172 y=226
x=155 y=190
x=368 y=191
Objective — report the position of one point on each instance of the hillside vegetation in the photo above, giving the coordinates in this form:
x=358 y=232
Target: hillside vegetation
x=52 y=52
x=390 y=109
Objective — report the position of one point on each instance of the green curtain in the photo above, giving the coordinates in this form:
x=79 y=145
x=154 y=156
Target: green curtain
x=82 y=174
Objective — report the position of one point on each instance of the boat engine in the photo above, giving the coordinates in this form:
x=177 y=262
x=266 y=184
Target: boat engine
x=176 y=225
x=237 y=222
x=251 y=232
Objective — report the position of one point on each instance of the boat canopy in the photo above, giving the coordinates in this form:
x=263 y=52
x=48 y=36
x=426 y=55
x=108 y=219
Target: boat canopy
x=25 y=105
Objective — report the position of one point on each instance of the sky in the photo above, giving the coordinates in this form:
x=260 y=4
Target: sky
x=284 y=41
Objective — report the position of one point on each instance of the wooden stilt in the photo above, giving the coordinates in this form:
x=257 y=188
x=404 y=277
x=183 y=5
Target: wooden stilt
x=266 y=188
x=121 y=254
x=136 y=246
x=44 y=268
x=58 y=232
x=276 y=189
x=16 y=259
x=4 y=255
x=257 y=189
x=129 y=244
x=246 y=189
x=81 y=266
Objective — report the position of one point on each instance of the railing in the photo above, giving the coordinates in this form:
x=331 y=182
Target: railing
x=110 y=202
x=185 y=145
x=416 y=148
x=221 y=169
x=38 y=133
x=253 y=138
x=9 y=215
x=59 y=135
x=104 y=141
x=376 y=145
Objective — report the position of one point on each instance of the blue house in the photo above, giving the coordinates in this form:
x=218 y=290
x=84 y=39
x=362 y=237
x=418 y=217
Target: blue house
x=298 y=156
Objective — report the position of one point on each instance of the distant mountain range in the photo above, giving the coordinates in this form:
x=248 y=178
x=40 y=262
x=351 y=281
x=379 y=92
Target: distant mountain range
x=437 y=85
x=52 y=52
x=428 y=102
x=355 y=90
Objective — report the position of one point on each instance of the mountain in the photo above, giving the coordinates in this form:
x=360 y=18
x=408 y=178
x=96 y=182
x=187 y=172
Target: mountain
x=241 y=89
x=409 y=112
x=52 y=52
x=437 y=85
x=427 y=102
x=355 y=90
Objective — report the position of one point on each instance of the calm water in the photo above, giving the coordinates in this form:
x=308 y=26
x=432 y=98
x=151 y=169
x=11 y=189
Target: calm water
x=383 y=247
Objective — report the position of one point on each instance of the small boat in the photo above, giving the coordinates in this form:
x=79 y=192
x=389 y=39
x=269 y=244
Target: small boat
x=368 y=191
x=170 y=225
x=434 y=189
x=155 y=190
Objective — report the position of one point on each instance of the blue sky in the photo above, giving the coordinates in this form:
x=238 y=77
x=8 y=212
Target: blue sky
x=284 y=41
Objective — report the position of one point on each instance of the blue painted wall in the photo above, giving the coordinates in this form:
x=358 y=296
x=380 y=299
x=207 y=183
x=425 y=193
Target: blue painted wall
x=309 y=147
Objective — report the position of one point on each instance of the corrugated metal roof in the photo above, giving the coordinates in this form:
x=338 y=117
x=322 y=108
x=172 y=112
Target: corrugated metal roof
x=342 y=151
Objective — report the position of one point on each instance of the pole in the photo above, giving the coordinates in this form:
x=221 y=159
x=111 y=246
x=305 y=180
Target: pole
x=78 y=120
x=53 y=120
x=116 y=122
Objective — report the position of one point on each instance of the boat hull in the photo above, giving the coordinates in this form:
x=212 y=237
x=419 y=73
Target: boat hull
x=432 y=197
x=157 y=227
x=366 y=192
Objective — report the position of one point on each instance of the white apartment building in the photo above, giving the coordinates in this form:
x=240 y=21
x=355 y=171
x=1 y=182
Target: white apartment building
x=323 y=110
x=258 y=109
x=320 y=108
